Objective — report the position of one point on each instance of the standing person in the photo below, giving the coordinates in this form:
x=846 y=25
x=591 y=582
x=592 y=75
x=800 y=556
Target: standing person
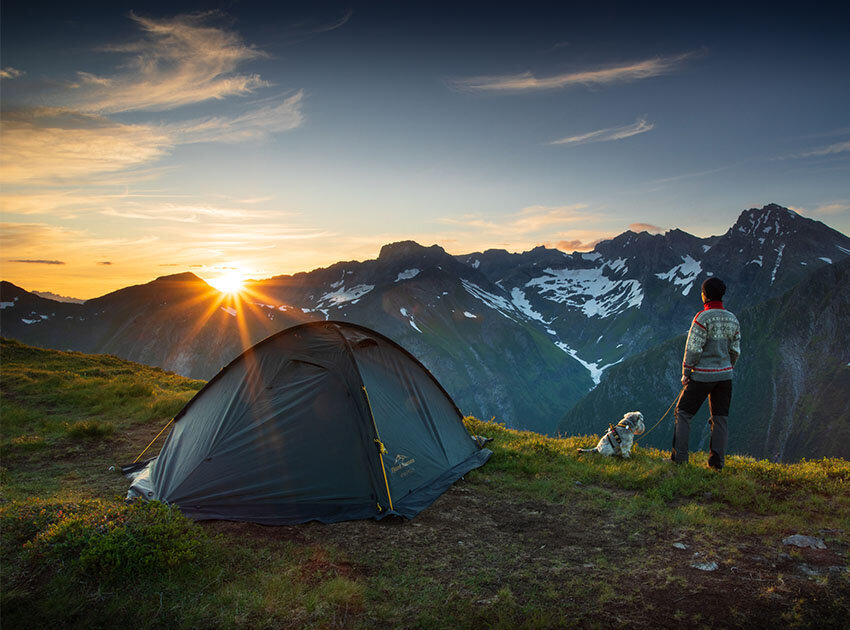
x=713 y=347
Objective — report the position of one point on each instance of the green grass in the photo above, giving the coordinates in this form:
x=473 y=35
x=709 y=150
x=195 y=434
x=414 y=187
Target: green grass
x=539 y=537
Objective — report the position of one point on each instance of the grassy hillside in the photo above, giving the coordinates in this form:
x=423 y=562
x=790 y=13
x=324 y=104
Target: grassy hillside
x=539 y=537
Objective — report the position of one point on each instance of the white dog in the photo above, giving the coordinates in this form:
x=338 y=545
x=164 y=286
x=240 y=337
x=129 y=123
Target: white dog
x=619 y=439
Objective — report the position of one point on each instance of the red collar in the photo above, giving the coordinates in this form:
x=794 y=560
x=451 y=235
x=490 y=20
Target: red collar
x=713 y=304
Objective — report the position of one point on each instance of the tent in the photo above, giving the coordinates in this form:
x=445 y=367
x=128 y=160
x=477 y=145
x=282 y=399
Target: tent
x=325 y=421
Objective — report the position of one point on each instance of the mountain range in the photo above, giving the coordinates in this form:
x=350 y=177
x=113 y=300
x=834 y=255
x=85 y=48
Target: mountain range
x=525 y=337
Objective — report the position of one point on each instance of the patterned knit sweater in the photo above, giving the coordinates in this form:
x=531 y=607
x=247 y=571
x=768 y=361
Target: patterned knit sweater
x=714 y=344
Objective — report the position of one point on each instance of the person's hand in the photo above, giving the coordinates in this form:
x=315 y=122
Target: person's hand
x=685 y=380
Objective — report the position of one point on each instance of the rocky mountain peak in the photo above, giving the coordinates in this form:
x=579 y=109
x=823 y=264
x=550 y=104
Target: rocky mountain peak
x=409 y=249
x=770 y=217
x=186 y=276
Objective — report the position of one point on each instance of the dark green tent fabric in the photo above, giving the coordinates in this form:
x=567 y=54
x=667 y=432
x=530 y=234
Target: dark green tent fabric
x=291 y=431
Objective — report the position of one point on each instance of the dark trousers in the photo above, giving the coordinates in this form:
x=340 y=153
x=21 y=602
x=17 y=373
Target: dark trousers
x=719 y=394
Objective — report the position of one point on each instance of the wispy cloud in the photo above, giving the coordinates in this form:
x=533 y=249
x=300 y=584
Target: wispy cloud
x=253 y=125
x=178 y=61
x=646 y=227
x=529 y=220
x=332 y=26
x=561 y=227
x=575 y=245
x=830 y=149
x=10 y=73
x=38 y=262
x=46 y=143
x=676 y=178
x=830 y=208
x=611 y=133
x=184 y=213
x=527 y=81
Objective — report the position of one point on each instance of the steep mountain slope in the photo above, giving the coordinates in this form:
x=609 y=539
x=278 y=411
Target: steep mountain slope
x=492 y=361
x=489 y=356
x=629 y=292
x=176 y=322
x=790 y=388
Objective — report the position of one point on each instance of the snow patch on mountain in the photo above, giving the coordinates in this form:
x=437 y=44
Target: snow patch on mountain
x=618 y=265
x=470 y=315
x=407 y=274
x=589 y=291
x=6 y=305
x=521 y=302
x=843 y=249
x=491 y=300
x=591 y=256
x=593 y=368
x=828 y=261
x=30 y=321
x=778 y=260
x=683 y=274
x=343 y=295
x=409 y=317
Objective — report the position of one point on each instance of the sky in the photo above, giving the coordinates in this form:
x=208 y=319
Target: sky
x=140 y=139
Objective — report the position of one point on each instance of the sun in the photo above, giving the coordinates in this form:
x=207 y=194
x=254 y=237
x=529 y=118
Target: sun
x=229 y=283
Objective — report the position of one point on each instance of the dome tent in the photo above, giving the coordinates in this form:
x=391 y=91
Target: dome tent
x=324 y=421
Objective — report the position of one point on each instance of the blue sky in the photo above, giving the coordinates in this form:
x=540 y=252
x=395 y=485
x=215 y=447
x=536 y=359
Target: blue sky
x=144 y=139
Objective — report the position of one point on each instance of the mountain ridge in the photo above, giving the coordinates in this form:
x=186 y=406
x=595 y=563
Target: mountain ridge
x=520 y=336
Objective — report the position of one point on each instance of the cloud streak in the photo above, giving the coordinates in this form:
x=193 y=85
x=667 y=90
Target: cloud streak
x=529 y=220
x=252 y=125
x=832 y=149
x=527 y=81
x=49 y=143
x=178 y=61
x=646 y=227
x=10 y=73
x=606 y=135
x=38 y=262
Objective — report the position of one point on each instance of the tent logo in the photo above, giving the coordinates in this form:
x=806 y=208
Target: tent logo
x=401 y=462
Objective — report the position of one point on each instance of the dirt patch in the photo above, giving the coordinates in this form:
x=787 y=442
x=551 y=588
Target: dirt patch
x=589 y=564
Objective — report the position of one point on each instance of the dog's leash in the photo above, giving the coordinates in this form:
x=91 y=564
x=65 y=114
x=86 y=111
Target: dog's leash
x=662 y=417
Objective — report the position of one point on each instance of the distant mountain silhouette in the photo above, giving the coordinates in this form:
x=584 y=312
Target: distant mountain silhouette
x=522 y=337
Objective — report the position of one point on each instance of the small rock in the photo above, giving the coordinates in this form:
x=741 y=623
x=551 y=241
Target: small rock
x=799 y=540
x=112 y=469
x=680 y=545
x=707 y=495
x=805 y=568
x=837 y=569
x=705 y=566
x=578 y=483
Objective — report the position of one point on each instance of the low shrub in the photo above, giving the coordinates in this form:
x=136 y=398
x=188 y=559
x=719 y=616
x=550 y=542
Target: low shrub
x=28 y=442
x=89 y=429
x=101 y=540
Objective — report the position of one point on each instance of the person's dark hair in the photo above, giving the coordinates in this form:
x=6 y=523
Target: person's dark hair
x=714 y=289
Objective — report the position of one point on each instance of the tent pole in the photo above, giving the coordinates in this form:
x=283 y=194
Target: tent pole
x=381 y=448
x=153 y=440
